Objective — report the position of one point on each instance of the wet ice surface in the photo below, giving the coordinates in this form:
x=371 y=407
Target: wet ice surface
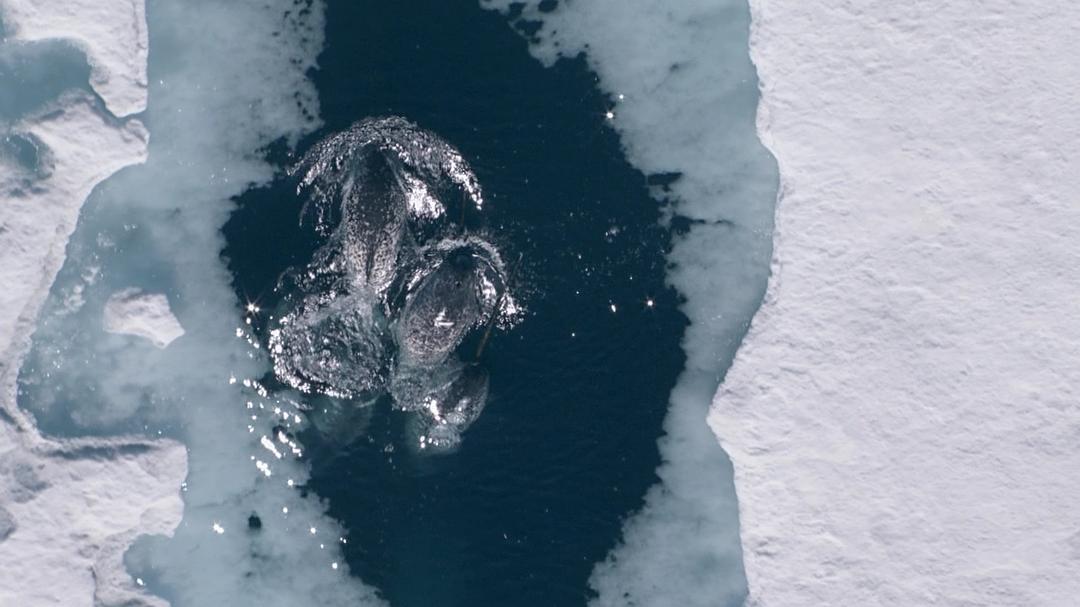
x=398 y=285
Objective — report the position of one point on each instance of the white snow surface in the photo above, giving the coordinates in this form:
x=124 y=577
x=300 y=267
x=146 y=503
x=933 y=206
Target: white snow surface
x=68 y=509
x=112 y=34
x=81 y=148
x=146 y=315
x=74 y=510
x=903 y=416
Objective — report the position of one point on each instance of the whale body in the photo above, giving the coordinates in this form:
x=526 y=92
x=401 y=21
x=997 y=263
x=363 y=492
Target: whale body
x=337 y=346
x=394 y=288
x=450 y=407
x=446 y=304
x=374 y=215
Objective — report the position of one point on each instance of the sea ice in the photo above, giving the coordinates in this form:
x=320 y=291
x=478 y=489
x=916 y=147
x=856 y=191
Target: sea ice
x=72 y=510
x=146 y=315
x=903 y=416
x=79 y=148
x=112 y=34
x=68 y=509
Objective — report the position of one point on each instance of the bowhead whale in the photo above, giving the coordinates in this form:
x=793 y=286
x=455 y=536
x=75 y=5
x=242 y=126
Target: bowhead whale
x=335 y=345
x=373 y=221
x=458 y=295
x=450 y=407
x=395 y=287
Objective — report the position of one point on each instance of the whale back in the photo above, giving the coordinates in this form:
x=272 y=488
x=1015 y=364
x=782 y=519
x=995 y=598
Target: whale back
x=374 y=217
x=446 y=305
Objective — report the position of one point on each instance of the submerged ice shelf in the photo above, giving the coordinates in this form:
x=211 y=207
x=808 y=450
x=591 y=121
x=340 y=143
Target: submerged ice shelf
x=903 y=415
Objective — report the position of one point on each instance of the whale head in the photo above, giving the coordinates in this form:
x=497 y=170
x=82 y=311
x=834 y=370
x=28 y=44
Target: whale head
x=446 y=304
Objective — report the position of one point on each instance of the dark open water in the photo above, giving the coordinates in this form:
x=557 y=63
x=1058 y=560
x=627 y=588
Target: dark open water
x=567 y=444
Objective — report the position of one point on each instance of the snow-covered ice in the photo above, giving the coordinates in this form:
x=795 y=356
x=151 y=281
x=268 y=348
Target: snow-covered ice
x=903 y=416
x=79 y=147
x=68 y=509
x=111 y=33
x=146 y=315
x=74 y=509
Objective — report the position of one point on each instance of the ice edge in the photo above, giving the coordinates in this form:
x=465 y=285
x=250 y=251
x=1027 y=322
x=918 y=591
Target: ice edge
x=76 y=502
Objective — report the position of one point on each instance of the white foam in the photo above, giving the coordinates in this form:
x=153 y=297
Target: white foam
x=903 y=415
x=684 y=98
x=112 y=34
x=146 y=315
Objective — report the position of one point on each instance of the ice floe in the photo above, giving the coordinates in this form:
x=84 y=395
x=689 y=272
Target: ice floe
x=146 y=315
